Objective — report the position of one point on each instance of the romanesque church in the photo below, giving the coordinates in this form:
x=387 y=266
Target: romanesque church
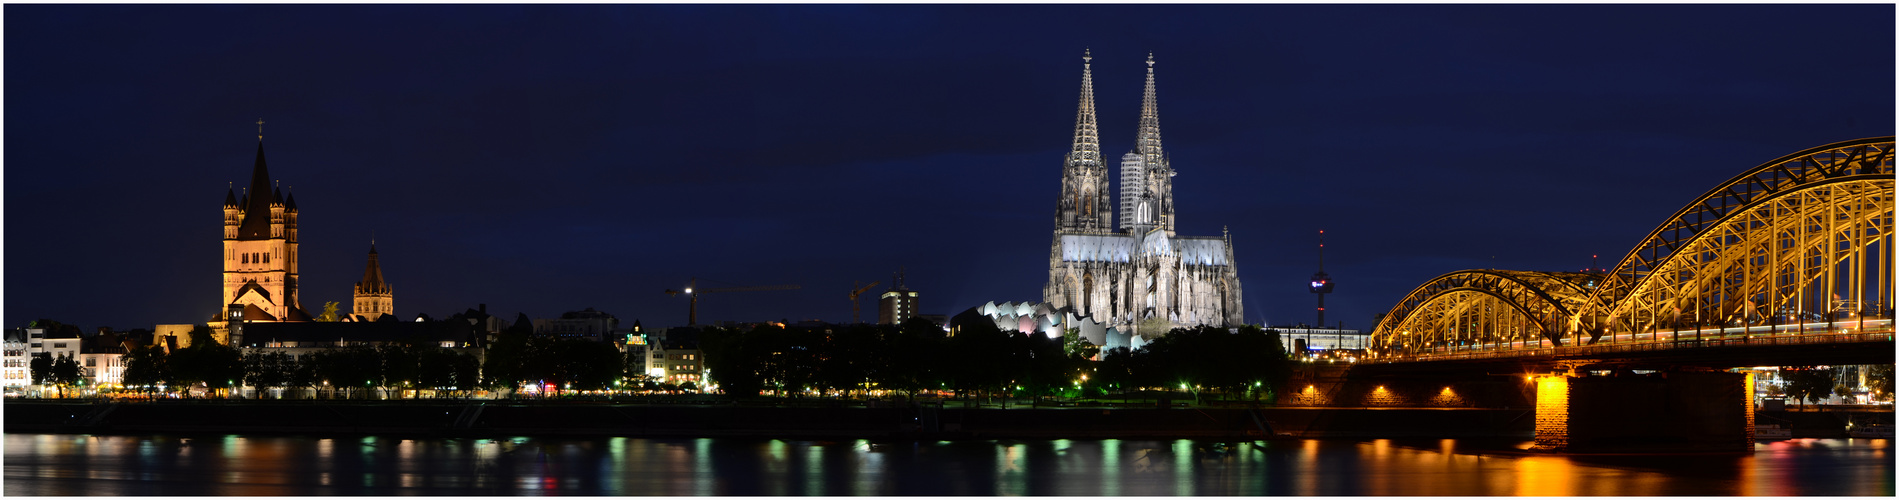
x=260 y=260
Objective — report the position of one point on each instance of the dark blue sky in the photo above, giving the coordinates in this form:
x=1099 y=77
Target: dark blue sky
x=546 y=159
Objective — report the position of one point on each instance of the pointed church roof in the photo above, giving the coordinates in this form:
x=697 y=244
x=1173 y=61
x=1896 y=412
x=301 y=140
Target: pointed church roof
x=1087 y=144
x=230 y=198
x=1148 y=142
x=290 y=202
x=254 y=313
x=256 y=224
x=372 y=273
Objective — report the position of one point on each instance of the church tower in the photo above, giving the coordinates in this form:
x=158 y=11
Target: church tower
x=1138 y=275
x=1147 y=178
x=1084 y=207
x=373 y=298
x=260 y=249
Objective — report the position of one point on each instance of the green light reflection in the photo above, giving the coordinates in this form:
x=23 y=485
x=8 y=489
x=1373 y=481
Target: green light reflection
x=1183 y=467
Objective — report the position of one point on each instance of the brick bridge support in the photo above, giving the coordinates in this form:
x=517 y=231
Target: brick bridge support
x=1666 y=411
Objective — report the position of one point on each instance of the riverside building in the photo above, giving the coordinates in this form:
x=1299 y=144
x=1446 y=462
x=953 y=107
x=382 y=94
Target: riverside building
x=1139 y=272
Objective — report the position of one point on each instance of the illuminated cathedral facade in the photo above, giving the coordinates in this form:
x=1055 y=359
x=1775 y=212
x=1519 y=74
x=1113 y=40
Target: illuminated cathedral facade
x=1138 y=272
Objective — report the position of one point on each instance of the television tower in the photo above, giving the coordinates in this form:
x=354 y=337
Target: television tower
x=1321 y=283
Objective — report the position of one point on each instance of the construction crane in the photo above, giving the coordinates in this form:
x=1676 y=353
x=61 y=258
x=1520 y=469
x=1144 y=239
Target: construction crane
x=854 y=293
x=693 y=291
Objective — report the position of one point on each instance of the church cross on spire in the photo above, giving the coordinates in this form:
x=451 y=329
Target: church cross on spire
x=1087 y=144
x=1084 y=206
x=1149 y=140
x=260 y=129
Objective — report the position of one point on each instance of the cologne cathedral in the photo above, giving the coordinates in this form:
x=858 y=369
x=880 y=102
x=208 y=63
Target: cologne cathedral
x=1140 y=270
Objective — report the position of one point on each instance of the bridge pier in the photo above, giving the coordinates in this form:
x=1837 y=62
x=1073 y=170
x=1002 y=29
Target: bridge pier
x=1664 y=411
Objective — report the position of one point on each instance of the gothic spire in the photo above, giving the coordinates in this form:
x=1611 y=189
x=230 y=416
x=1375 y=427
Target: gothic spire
x=1149 y=140
x=372 y=274
x=256 y=224
x=1087 y=144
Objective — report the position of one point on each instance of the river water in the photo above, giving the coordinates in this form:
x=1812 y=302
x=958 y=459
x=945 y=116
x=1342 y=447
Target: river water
x=73 y=464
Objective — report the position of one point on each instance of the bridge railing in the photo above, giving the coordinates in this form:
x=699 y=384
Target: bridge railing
x=1882 y=335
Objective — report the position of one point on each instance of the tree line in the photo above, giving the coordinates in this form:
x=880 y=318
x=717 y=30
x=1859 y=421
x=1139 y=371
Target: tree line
x=856 y=360
x=981 y=359
x=1817 y=383
x=515 y=359
x=346 y=372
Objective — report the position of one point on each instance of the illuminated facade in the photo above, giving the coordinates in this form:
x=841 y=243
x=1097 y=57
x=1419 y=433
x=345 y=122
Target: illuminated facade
x=1139 y=272
x=373 y=297
x=15 y=361
x=260 y=251
x=896 y=305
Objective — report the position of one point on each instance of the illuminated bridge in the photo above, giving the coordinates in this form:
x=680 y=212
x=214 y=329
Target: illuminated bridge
x=1791 y=258
x=1789 y=263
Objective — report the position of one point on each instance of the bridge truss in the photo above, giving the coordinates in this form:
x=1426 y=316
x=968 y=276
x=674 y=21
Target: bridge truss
x=1796 y=246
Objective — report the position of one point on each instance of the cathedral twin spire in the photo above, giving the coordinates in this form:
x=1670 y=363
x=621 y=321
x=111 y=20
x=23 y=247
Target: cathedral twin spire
x=1087 y=146
x=1146 y=197
x=1084 y=205
x=1149 y=141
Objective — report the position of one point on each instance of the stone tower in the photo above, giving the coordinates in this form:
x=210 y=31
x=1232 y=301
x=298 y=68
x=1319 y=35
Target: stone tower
x=1143 y=274
x=373 y=297
x=1147 y=177
x=1085 y=205
x=260 y=250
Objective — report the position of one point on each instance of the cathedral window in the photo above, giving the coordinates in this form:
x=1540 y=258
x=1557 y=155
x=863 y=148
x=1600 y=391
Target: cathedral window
x=247 y=258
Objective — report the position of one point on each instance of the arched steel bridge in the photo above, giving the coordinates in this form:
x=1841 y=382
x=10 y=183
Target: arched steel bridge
x=1798 y=250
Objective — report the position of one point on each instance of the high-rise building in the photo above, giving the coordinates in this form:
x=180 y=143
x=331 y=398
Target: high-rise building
x=896 y=305
x=1140 y=270
x=586 y=324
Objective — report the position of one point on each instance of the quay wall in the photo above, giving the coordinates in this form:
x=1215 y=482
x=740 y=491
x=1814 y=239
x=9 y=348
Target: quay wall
x=494 y=418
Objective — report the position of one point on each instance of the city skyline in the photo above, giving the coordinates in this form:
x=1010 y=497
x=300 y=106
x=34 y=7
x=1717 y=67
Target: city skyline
x=548 y=159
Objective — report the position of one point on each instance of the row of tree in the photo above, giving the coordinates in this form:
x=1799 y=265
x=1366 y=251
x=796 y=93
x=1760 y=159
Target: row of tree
x=1812 y=384
x=514 y=359
x=348 y=371
x=518 y=357
x=61 y=372
x=982 y=359
x=915 y=356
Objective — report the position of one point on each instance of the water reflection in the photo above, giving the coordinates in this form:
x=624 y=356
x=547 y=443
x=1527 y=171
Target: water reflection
x=50 y=464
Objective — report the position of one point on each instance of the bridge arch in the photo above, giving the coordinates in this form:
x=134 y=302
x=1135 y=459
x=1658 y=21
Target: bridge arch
x=1475 y=308
x=1805 y=238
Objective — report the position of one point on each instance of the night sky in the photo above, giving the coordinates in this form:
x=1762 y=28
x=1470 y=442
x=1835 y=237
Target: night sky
x=548 y=159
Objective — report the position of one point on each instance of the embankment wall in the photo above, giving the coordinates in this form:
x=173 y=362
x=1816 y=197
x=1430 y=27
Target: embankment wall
x=501 y=418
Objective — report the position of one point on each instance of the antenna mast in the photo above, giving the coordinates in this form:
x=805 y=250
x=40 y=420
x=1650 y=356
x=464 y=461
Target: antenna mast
x=1321 y=283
